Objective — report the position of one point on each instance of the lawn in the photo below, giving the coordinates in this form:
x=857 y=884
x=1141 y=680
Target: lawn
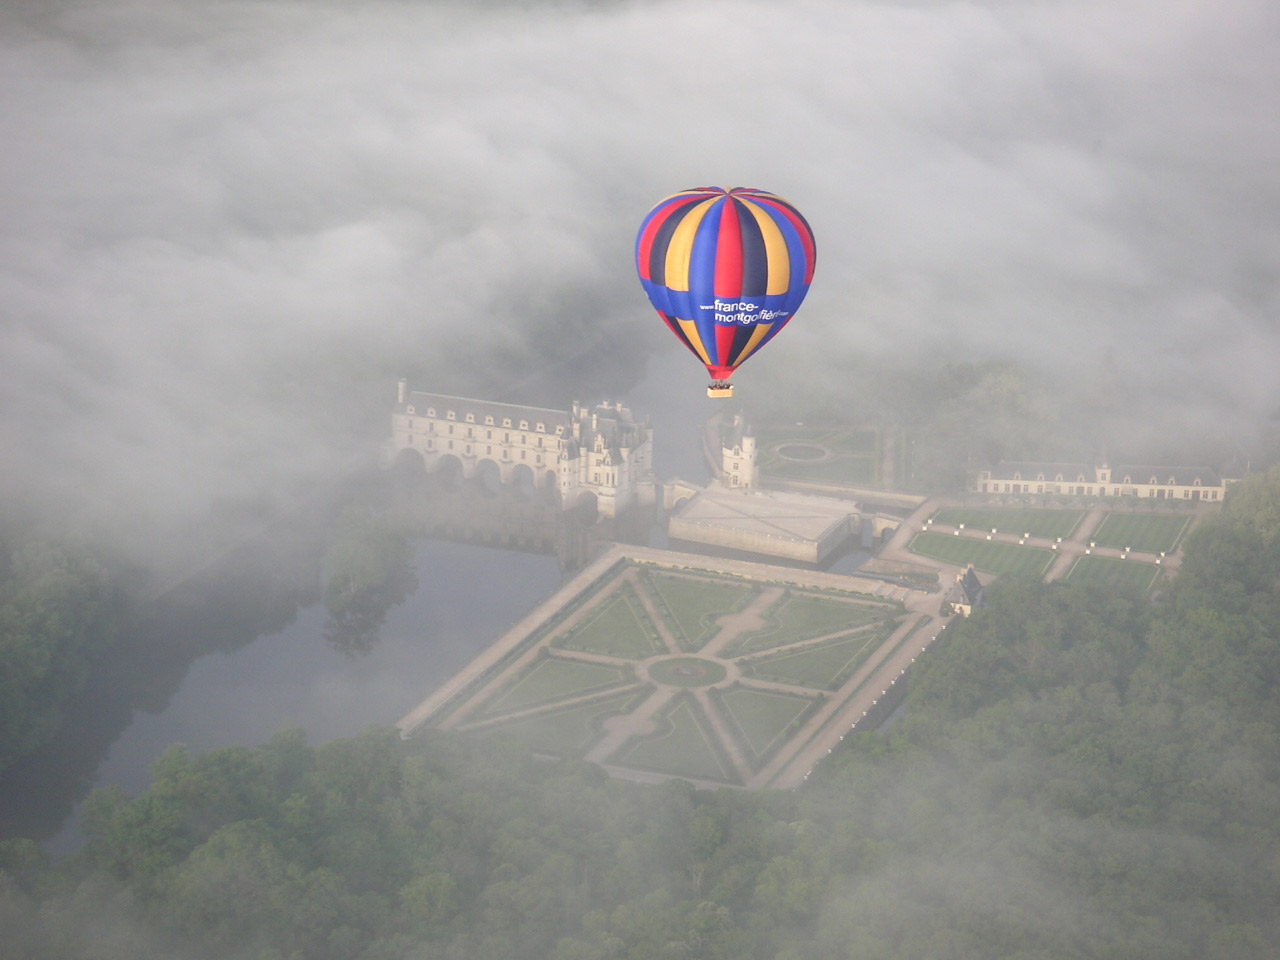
x=569 y=731
x=801 y=617
x=552 y=679
x=1133 y=575
x=823 y=665
x=1150 y=533
x=693 y=604
x=1019 y=520
x=619 y=627
x=851 y=456
x=685 y=747
x=763 y=717
x=988 y=556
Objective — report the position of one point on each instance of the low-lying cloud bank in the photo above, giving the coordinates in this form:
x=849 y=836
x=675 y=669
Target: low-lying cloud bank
x=228 y=225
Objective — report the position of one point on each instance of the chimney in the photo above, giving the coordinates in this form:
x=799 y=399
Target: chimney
x=402 y=391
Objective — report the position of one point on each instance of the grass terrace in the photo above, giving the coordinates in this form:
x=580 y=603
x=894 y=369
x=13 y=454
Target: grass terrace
x=1147 y=533
x=1002 y=559
x=1128 y=575
x=1039 y=523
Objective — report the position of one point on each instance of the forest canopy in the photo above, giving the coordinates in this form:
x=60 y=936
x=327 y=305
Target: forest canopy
x=1078 y=773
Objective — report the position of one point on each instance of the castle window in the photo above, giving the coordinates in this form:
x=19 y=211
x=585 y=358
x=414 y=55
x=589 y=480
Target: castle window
x=506 y=438
x=451 y=428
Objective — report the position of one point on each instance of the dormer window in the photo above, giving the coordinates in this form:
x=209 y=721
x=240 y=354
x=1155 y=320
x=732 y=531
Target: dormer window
x=1153 y=480
x=431 y=411
x=560 y=431
x=488 y=421
x=451 y=415
x=1058 y=478
x=471 y=418
x=1017 y=476
x=506 y=421
x=1196 y=482
x=524 y=424
x=1126 y=479
x=1039 y=476
x=409 y=409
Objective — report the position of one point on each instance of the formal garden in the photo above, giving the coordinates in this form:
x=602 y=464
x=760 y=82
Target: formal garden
x=678 y=672
x=846 y=456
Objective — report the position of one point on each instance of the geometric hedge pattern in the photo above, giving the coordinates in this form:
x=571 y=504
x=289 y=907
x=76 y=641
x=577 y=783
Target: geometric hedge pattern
x=656 y=672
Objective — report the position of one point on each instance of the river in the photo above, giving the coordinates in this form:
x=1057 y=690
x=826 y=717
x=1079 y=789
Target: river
x=467 y=597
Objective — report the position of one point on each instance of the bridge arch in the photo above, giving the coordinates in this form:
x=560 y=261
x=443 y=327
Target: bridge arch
x=489 y=476
x=409 y=467
x=449 y=470
x=524 y=479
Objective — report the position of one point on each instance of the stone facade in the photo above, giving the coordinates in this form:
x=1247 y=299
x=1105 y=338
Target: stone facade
x=602 y=451
x=965 y=595
x=1078 y=479
x=738 y=454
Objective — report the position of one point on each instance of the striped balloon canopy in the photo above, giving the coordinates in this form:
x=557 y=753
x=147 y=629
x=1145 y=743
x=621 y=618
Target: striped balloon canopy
x=726 y=270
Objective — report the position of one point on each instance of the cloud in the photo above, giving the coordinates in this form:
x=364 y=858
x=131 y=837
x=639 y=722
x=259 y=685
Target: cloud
x=226 y=226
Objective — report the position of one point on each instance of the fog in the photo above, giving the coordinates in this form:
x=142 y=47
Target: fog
x=229 y=226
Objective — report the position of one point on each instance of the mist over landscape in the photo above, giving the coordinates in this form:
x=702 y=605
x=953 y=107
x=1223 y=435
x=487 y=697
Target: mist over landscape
x=227 y=228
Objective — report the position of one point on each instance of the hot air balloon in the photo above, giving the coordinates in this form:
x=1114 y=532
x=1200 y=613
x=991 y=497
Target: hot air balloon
x=726 y=270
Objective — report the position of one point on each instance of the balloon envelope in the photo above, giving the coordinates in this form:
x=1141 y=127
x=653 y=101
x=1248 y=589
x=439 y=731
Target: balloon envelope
x=725 y=269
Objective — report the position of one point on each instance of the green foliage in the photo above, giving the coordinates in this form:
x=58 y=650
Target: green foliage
x=1077 y=774
x=58 y=613
x=368 y=571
